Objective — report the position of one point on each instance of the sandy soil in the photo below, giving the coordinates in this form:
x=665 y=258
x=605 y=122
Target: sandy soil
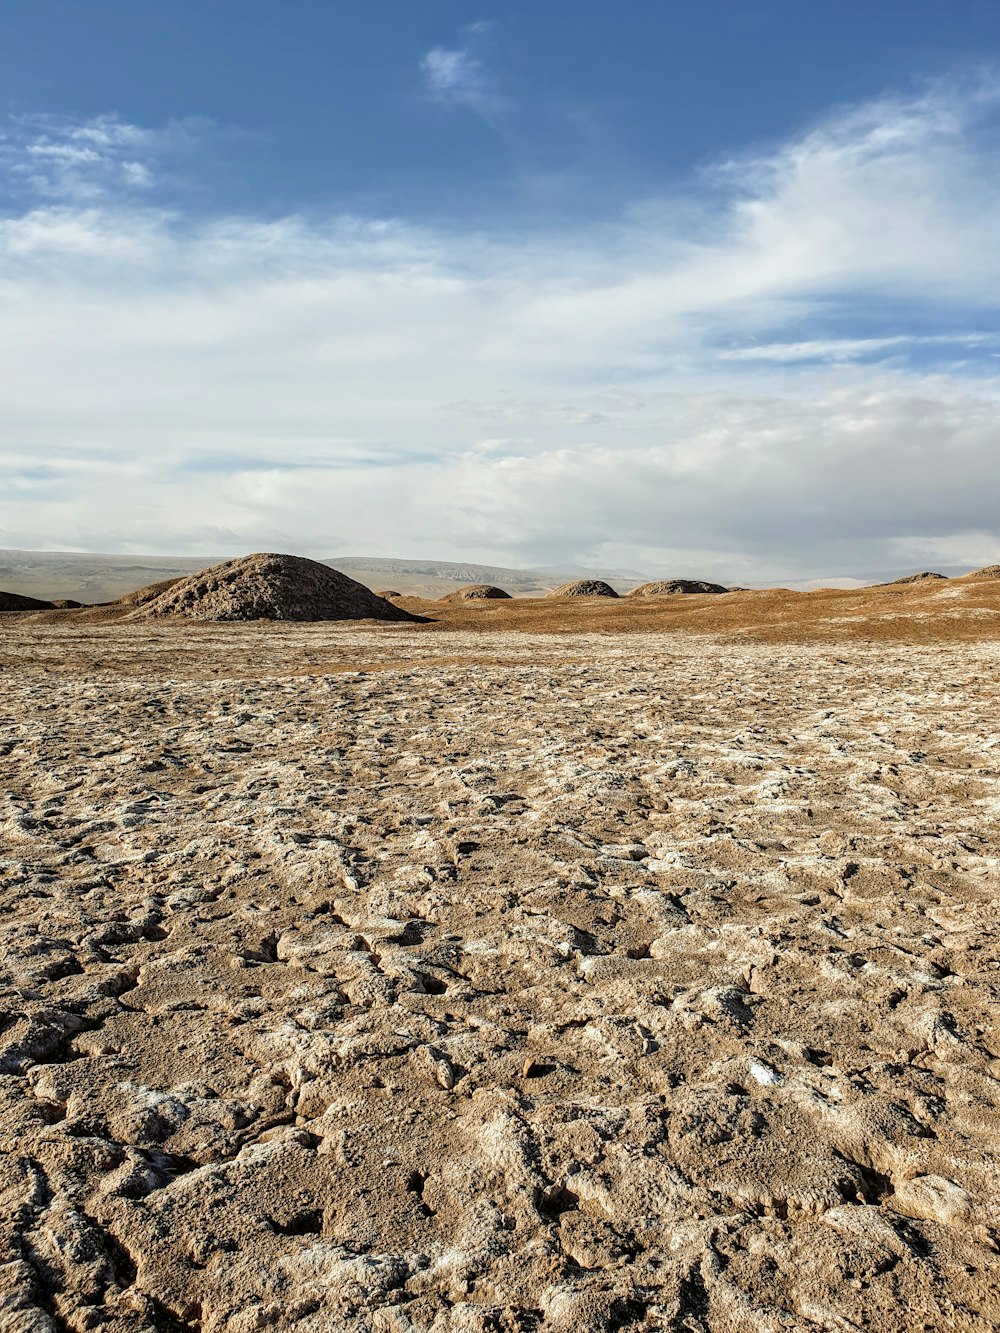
x=424 y=978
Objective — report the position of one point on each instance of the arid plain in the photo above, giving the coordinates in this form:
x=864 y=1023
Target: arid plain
x=539 y=965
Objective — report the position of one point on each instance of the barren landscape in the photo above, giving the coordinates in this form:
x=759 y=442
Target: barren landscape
x=499 y=667
x=91 y=578
x=560 y=966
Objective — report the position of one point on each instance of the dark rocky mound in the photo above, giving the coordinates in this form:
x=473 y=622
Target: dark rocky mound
x=911 y=578
x=13 y=601
x=583 y=588
x=475 y=592
x=663 y=587
x=987 y=572
x=268 y=587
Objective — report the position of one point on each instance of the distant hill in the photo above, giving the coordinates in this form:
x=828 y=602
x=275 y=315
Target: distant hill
x=434 y=578
x=91 y=577
x=86 y=577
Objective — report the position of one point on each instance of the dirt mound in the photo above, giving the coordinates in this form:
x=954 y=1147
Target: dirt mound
x=13 y=601
x=912 y=578
x=147 y=594
x=475 y=592
x=388 y=592
x=267 y=587
x=987 y=572
x=662 y=587
x=583 y=588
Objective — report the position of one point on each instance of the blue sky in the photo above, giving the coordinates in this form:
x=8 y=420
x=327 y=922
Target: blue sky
x=681 y=287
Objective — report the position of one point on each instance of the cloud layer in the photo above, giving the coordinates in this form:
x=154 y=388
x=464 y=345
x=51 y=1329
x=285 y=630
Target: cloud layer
x=787 y=369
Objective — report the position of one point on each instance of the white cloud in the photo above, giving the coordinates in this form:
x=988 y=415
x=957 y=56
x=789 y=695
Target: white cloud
x=664 y=394
x=85 y=162
x=457 y=77
x=854 y=349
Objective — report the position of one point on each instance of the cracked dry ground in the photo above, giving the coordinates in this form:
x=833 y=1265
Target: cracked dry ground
x=360 y=979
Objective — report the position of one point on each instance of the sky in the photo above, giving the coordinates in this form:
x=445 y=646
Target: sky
x=698 y=288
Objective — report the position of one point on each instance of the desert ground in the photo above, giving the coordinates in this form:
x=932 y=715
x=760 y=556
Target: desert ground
x=539 y=966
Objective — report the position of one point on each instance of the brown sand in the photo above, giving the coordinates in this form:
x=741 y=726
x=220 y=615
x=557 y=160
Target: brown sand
x=552 y=966
x=898 y=613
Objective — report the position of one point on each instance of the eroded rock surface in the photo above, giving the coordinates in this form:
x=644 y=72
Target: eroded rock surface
x=263 y=587
x=362 y=980
x=476 y=592
x=664 y=587
x=921 y=577
x=583 y=588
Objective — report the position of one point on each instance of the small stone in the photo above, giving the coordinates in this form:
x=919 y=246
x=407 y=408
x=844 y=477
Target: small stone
x=434 y=1066
x=624 y=851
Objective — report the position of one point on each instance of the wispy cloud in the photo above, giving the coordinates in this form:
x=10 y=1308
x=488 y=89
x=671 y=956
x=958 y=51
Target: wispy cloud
x=690 y=390
x=857 y=349
x=53 y=157
x=457 y=76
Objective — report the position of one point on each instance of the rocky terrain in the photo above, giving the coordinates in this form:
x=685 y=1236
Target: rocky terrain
x=477 y=592
x=917 y=578
x=265 y=586
x=584 y=588
x=441 y=977
x=661 y=587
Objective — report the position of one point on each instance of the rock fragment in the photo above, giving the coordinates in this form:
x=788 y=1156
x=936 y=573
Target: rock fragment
x=434 y=1066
